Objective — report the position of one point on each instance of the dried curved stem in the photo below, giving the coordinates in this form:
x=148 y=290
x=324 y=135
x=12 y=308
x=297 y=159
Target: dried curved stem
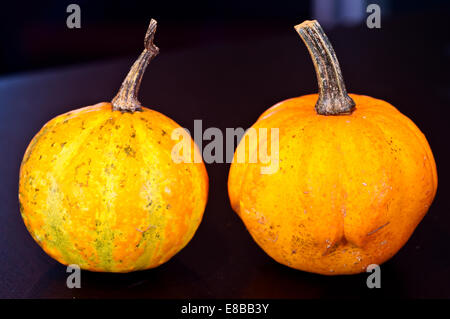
x=126 y=99
x=333 y=97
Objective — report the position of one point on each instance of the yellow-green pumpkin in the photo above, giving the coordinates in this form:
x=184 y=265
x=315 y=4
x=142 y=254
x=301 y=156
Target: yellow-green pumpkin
x=99 y=187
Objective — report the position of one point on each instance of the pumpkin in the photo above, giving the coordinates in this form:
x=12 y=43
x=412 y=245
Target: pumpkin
x=354 y=178
x=99 y=188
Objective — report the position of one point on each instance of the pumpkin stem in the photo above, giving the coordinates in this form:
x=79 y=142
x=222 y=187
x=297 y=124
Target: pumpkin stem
x=333 y=98
x=126 y=99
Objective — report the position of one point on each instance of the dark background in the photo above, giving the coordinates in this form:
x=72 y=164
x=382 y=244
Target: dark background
x=34 y=33
x=224 y=62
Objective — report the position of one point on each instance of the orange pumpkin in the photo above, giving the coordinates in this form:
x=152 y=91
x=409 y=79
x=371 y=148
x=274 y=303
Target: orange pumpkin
x=98 y=186
x=355 y=176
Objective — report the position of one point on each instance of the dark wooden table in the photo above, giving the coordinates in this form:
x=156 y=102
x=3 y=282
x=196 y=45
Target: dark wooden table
x=229 y=82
